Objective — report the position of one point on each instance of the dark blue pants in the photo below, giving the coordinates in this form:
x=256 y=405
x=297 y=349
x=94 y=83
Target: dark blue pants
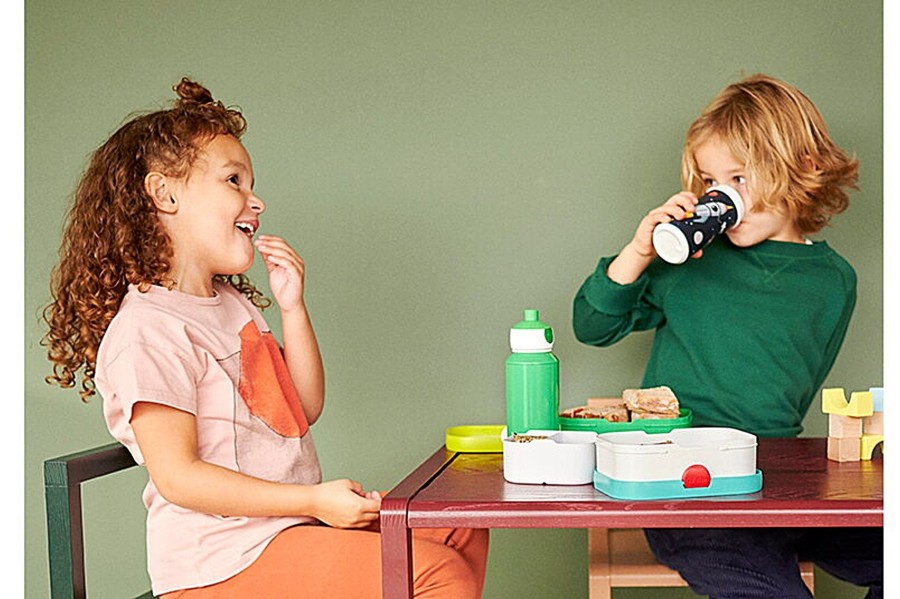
x=761 y=563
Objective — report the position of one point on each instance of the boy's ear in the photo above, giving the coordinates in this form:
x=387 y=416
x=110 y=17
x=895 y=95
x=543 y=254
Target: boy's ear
x=160 y=191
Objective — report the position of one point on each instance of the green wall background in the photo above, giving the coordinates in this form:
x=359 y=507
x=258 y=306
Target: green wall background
x=440 y=166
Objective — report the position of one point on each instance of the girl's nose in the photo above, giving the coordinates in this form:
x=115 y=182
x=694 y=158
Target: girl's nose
x=256 y=204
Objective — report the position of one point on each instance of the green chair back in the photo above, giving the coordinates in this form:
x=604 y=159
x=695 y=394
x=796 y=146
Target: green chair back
x=62 y=493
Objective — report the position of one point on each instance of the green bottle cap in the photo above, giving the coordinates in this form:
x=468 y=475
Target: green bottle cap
x=532 y=321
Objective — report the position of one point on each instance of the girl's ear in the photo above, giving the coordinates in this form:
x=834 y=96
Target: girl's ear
x=160 y=191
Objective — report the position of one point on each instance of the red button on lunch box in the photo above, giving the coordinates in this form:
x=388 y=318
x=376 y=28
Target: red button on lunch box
x=696 y=476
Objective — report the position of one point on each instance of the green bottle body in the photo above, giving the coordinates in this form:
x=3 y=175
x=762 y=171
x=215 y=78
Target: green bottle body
x=532 y=392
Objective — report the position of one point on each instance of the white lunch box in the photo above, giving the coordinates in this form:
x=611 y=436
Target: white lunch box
x=562 y=458
x=688 y=462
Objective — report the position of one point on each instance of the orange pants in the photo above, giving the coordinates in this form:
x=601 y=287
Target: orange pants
x=334 y=563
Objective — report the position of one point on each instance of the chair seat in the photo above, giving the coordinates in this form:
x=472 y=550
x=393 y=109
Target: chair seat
x=621 y=558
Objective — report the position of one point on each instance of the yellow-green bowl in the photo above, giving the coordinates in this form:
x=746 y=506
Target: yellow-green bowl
x=477 y=438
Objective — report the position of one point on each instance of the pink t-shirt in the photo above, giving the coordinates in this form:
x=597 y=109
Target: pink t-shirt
x=216 y=359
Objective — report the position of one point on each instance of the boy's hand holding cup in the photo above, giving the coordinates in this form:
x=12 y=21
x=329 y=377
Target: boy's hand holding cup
x=720 y=208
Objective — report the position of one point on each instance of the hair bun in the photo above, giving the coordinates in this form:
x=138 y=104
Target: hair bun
x=191 y=91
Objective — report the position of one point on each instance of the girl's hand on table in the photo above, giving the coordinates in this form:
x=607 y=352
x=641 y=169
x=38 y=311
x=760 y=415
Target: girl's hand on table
x=343 y=504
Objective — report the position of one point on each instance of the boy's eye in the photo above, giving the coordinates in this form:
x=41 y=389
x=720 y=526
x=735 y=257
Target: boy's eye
x=233 y=179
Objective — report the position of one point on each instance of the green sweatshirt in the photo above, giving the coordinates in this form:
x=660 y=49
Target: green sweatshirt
x=744 y=337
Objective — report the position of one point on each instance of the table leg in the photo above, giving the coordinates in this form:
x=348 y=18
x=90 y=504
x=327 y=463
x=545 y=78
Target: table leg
x=396 y=550
x=396 y=536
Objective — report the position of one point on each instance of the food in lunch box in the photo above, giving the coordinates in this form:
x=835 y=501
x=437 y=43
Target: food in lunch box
x=579 y=412
x=650 y=416
x=612 y=409
x=517 y=438
x=606 y=402
x=635 y=404
x=655 y=400
x=610 y=414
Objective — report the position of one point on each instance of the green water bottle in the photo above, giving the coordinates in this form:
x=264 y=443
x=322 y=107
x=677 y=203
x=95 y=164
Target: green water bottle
x=532 y=377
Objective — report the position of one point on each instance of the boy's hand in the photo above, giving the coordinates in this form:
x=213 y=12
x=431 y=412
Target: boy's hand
x=286 y=271
x=343 y=504
x=675 y=208
x=635 y=257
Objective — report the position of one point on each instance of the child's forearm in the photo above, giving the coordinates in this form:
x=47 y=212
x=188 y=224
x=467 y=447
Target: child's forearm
x=203 y=487
x=304 y=361
x=210 y=489
x=167 y=438
x=628 y=266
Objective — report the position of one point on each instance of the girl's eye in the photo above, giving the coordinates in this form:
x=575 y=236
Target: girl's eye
x=740 y=180
x=709 y=182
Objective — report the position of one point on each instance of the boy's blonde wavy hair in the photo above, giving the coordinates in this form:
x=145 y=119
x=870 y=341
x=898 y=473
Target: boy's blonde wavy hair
x=777 y=132
x=113 y=238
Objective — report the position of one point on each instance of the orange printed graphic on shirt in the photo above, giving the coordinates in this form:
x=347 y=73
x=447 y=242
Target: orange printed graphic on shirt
x=266 y=386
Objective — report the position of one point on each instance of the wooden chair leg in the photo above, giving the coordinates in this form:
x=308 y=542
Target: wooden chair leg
x=632 y=563
x=598 y=565
x=808 y=574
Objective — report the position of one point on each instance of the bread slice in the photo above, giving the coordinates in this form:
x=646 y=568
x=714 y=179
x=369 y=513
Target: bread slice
x=651 y=416
x=610 y=414
x=606 y=402
x=655 y=400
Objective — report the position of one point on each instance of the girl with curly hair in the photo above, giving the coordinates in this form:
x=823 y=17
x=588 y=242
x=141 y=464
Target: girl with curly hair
x=151 y=304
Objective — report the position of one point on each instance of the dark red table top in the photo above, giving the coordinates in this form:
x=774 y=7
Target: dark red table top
x=801 y=487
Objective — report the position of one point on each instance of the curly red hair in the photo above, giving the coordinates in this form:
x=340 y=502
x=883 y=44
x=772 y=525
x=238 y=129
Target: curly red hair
x=113 y=238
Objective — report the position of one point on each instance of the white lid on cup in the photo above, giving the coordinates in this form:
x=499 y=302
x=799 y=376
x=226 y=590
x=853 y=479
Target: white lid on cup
x=670 y=243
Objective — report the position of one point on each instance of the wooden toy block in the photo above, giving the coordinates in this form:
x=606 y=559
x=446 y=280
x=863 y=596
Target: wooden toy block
x=845 y=427
x=606 y=402
x=873 y=425
x=867 y=445
x=834 y=401
x=877 y=398
x=843 y=450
